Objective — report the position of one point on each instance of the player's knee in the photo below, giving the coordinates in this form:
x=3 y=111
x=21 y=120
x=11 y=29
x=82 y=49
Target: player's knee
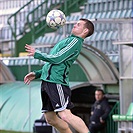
x=51 y=121
x=66 y=117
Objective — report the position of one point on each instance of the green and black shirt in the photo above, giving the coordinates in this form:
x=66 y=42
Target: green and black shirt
x=59 y=60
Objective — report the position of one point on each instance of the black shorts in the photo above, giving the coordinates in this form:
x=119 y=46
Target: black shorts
x=55 y=97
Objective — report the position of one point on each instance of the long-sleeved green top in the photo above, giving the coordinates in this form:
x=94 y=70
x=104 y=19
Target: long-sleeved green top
x=59 y=60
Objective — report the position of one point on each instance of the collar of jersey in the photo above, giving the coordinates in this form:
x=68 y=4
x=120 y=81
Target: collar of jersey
x=77 y=37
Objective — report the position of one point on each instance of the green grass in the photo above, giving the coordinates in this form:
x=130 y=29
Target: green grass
x=3 y=131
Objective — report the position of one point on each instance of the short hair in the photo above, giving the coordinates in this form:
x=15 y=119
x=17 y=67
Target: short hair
x=89 y=25
x=100 y=91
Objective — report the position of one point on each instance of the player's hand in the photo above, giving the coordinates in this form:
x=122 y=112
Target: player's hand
x=30 y=50
x=29 y=77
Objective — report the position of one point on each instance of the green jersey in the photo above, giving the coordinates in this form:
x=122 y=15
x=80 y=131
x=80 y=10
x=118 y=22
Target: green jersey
x=59 y=60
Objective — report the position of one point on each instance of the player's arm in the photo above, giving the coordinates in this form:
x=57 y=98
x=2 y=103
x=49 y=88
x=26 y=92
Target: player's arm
x=30 y=50
x=67 y=52
x=37 y=73
x=31 y=76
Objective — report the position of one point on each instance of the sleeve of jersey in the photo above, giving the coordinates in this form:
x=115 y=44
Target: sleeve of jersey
x=38 y=73
x=64 y=54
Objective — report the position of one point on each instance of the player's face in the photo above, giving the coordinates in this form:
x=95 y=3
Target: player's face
x=78 y=28
x=98 y=95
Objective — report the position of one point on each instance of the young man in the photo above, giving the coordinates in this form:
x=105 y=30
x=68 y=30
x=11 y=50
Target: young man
x=99 y=112
x=55 y=91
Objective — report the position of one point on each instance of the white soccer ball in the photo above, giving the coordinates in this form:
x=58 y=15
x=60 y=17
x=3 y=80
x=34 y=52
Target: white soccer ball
x=55 y=19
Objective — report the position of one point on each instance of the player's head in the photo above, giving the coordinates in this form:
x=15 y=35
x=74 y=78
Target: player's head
x=83 y=28
x=99 y=94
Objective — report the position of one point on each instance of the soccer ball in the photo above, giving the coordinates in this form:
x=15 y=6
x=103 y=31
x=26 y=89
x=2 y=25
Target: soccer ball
x=55 y=19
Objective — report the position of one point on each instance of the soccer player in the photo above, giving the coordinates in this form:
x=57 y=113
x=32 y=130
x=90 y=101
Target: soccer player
x=55 y=91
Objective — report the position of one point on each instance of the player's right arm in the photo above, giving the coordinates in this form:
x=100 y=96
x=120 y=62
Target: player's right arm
x=38 y=73
x=31 y=76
